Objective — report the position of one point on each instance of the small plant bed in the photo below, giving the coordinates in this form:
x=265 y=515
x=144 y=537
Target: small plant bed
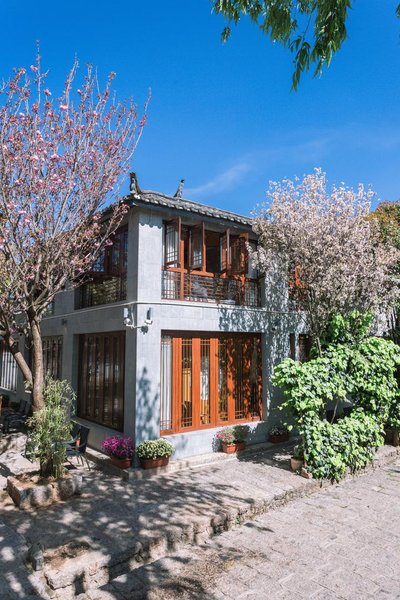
x=278 y=434
x=31 y=490
x=120 y=450
x=55 y=558
x=232 y=439
x=154 y=453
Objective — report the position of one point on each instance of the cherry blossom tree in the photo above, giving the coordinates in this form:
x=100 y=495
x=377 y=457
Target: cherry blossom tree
x=333 y=253
x=61 y=164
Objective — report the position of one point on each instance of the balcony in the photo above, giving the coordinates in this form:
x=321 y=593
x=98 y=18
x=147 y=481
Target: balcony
x=212 y=288
x=104 y=291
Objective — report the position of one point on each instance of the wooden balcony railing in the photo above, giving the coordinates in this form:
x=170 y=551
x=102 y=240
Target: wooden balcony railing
x=105 y=291
x=201 y=288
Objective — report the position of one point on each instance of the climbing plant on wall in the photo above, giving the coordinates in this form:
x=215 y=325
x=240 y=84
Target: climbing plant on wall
x=361 y=372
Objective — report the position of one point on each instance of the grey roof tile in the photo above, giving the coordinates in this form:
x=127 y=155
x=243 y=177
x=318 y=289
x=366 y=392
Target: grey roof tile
x=157 y=198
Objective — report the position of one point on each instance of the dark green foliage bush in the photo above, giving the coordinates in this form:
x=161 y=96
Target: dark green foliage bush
x=362 y=372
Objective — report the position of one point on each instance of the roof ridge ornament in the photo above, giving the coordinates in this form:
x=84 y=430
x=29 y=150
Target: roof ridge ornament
x=134 y=186
x=179 y=191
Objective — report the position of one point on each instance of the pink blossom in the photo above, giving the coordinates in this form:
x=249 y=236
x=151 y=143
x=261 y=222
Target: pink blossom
x=33 y=68
x=64 y=107
x=47 y=92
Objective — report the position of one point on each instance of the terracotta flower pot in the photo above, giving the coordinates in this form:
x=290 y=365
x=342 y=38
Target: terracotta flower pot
x=121 y=463
x=232 y=448
x=153 y=463
x=296 y=463
x=279 y=438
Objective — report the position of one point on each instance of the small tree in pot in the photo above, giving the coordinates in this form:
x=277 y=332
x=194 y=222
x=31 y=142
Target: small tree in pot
x=50 y=427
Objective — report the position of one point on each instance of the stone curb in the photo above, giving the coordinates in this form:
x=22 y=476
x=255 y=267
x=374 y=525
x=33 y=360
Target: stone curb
x=101 y=568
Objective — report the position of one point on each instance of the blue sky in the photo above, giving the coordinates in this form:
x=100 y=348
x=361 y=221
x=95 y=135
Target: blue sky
x=223 y=116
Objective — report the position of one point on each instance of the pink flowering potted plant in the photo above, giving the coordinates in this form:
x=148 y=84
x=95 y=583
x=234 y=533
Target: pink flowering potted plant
x=120 y=450
x=232 y=439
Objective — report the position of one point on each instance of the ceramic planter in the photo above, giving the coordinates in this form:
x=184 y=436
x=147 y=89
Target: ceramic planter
x=121 y=463
x=232 y=448
x=279 y=438
x=153 y=463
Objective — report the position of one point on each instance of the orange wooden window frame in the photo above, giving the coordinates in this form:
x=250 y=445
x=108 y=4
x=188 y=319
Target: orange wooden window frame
x=232 y=341
x=238 y=271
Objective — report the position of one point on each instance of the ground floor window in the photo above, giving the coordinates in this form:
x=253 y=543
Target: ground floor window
x=52 y=356
x=8 y=368
x=101 y=378
x=209 y=380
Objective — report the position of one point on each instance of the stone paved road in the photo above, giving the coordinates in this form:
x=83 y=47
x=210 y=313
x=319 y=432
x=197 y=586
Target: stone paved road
x=343 y=542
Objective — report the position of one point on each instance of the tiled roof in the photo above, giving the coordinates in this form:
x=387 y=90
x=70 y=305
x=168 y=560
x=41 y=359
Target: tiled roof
x=180 y=204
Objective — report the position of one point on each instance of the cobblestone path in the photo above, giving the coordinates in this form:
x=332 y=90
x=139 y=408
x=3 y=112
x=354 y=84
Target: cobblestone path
x=343 y=542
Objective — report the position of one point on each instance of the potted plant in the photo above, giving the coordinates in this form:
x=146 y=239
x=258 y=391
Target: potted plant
x=231 y=438
x=278 y=434
x=297 y=458
x=154 y=453
x=120 y=450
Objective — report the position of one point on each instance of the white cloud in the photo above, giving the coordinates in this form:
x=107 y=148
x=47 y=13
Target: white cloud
x=223 y=182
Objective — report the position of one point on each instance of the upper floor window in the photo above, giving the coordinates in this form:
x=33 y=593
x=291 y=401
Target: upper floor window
x=108 y=275
x=113 y=258
x=208 y=266
x=198 y=249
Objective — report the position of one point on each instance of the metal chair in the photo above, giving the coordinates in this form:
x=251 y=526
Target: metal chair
x=77 y=447
x=13 y=420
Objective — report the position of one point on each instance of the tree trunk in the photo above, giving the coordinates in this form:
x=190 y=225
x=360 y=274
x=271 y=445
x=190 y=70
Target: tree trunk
x=37 y=367
x=19 y=359
x=46 y=468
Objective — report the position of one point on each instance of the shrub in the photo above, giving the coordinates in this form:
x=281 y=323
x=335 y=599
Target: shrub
x=332 y=448
x=155 y=449
x=50 y=427
x=231 y=435
x=363 y=372
x=280 y=429
x=121 y=447
x=298 y=452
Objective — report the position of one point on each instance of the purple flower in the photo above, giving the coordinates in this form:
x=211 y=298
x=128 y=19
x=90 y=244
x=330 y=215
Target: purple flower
x=118 y=446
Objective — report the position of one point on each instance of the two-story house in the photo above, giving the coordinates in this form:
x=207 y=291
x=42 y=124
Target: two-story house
x=175 y=333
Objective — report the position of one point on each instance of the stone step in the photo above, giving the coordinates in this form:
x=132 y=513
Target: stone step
x=97 y=564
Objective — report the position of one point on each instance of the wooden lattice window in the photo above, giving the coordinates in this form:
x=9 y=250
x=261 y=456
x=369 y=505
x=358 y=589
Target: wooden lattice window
x=197 y=246
x=172 y=239
x=52 y=356
x=8 y=368
x=101 y=378
x=209 y=380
